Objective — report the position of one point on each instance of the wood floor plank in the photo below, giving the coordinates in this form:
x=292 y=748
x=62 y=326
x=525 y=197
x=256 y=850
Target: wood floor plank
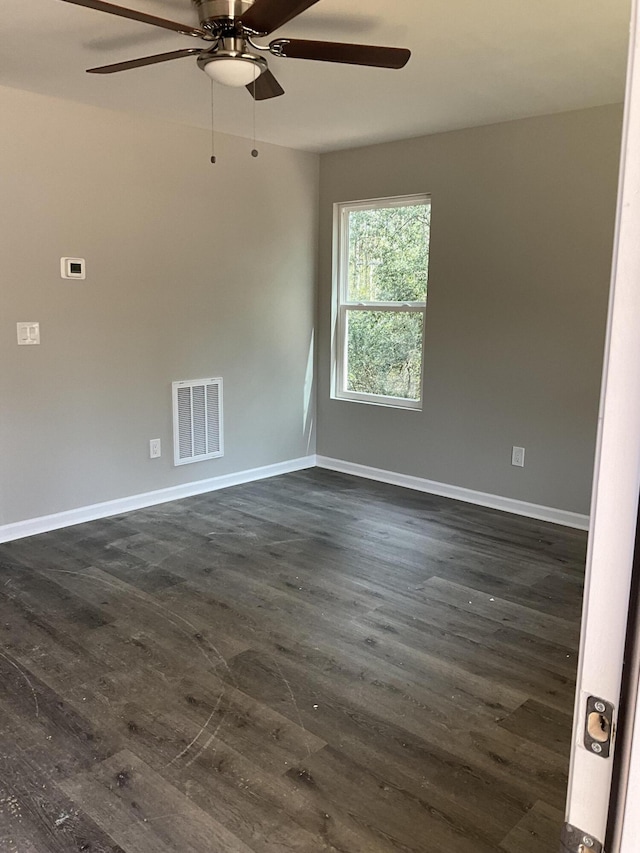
x=39 y=593
x=451 y=622
x=538 y=830
x=526 y=619
x=271 y=814
x=541 y=724
x=126 y=603
x=65 y=738
x=144 y=813
x=503 y=669
x=49 y=646
x=226 y=714
x=389 y=812
x=36 y=815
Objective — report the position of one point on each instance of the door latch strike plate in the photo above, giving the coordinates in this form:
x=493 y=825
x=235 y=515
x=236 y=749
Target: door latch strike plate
x=574 y=840
x=598 y=727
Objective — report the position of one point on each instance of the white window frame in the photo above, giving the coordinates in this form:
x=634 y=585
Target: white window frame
x=342 y=306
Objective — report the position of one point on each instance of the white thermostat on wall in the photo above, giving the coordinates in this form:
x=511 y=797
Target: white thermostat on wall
x=72 y=268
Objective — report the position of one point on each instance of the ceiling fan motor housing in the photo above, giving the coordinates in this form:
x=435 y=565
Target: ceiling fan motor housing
x=214 y=12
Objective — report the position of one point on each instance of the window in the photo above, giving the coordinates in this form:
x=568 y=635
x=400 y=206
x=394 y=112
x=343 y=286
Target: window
x=380 y=297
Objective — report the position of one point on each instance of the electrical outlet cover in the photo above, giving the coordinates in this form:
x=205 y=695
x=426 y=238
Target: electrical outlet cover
x=517 y=457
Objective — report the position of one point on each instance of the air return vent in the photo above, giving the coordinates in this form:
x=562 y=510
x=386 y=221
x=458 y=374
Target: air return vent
x=197 y=420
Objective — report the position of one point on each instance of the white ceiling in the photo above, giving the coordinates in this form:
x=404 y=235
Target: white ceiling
x=472 y=63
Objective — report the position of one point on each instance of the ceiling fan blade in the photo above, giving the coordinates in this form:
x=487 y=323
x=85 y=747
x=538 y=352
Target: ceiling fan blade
x=111 y=9
x=265 y=16
x=146 y=60
x=266 y=86
x=351 y=54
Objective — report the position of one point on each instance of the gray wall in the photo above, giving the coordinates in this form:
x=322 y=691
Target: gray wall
x=193 y=270
x=522 y=230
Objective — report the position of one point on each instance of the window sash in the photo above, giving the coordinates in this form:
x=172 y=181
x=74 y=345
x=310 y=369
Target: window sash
x=341 y=392
x=343 y=236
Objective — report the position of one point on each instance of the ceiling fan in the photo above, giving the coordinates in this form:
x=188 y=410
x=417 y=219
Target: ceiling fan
x=232 y=26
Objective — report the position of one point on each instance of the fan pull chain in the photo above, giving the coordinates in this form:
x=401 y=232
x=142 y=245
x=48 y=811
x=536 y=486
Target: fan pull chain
x=254 y=150
x=213 y=135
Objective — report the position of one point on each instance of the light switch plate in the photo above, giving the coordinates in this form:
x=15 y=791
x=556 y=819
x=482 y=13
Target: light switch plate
x=28 y=334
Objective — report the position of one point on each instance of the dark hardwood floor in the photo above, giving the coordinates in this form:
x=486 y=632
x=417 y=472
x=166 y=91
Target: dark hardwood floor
x=308 y=663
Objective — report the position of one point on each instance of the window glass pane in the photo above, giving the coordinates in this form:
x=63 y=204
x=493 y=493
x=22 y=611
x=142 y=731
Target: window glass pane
x=384 y=353
x=389 y=254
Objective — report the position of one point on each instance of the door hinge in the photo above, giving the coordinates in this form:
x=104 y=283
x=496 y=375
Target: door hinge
x=598 y=726
x=574 y=840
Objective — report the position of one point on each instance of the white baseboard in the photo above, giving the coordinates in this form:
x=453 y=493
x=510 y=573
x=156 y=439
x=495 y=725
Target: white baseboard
x=32 y=526
x=542 y=513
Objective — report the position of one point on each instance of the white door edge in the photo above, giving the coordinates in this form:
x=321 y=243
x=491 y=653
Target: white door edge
x=616 y=483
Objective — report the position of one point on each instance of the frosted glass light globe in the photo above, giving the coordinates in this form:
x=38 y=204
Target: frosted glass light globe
x=233 y=70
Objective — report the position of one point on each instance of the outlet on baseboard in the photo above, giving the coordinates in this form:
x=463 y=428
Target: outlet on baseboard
x=154 y=448
x=517 y=456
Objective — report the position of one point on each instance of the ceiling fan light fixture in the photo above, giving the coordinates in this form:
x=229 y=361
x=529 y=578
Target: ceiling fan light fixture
x=232 y=26
x=234 y=70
